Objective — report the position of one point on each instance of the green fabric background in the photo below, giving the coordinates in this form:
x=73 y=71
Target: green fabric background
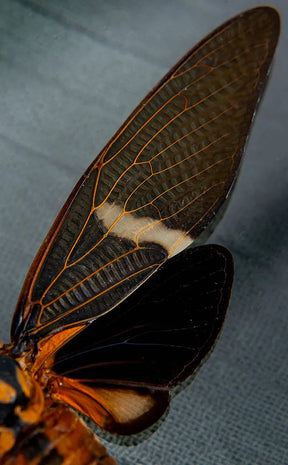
x=70 y=73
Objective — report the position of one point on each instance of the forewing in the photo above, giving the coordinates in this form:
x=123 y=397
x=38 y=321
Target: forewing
x=151 y=342
x=157 y=186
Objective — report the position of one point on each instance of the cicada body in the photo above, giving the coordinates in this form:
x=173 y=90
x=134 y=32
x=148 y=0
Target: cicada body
x=122 y=303
x=38 y=429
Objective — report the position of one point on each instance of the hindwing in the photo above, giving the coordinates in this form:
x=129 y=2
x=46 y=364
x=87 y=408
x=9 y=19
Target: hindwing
x=120 y=369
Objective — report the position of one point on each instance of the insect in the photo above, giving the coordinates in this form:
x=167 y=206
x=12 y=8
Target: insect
x=122 y=302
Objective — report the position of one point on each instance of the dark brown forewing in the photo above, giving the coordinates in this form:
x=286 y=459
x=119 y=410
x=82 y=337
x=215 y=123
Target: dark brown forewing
x=157 y=185
x=120 y=369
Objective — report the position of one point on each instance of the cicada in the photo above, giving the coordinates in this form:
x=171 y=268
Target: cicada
x=122 y=302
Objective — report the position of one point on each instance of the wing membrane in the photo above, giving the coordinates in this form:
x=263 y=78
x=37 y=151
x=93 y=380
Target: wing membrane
x=157 y=186
x=119 y=370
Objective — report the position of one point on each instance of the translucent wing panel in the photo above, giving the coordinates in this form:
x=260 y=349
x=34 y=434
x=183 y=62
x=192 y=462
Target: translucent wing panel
x=178 y=155
x=157 y=185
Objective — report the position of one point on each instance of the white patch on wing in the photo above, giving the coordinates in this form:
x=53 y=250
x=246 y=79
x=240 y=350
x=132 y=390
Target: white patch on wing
x=125 y=405
x=145 y=229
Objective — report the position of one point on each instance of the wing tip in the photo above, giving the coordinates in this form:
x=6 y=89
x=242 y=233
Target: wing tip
x=271 y=15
